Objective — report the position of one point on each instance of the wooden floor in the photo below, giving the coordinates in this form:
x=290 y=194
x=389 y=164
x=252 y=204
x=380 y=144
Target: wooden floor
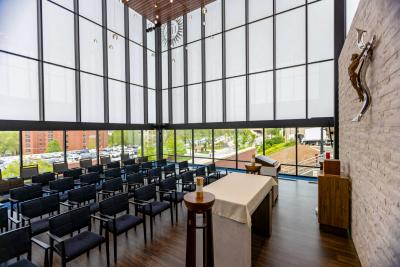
x=295 y=241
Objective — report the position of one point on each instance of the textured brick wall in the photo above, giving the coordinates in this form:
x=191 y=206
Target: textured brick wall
x=370 y=149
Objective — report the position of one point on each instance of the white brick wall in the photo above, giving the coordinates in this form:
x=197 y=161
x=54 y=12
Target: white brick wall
x=370 y=149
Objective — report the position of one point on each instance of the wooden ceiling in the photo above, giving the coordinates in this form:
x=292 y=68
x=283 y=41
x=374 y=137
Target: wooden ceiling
x=165 y=10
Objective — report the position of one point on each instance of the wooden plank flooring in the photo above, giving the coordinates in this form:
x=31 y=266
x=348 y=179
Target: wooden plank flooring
x=295 y=241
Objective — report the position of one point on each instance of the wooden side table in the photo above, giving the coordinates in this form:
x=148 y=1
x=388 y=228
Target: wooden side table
x=253 y=168
x=196 y=205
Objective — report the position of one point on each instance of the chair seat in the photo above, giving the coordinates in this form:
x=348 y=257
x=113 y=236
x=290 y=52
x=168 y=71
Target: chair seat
x=124 y=223
x=157 y=208
x=63 y=197
x=178 y=197
x=98 y=187
x=80 y=244
x=94 y=207
x=40 y=226
x=22 y=263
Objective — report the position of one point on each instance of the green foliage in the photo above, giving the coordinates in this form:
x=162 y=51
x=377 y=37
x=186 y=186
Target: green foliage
x=246 y=138
x=114 y=139
x=53 y=146
x=278 y=147
x=12 y=170
x=275 y=140
x=9 y=143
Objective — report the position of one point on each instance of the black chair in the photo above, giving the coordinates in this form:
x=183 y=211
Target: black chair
x=4 y=224
x=111 y=187
x=60 y=167
x=83 y=196
x=168 y=192
x=32 y=212
x=145 y=167
x=112 y=173
x=110 y=209
x=44 y=178
x=169 y=170
x=183 y=166
x=17 y=242
x=129 y=169
x=213 y=174
x=188 y=184
x=161 y=163
x=61 y=186
x=74 y=173
x=24 y=193
x=145 y=200
x=154 y=176
x=91 y=178
x=96 y=168
x=113 y=165
x=129 y=162
x=201 y=171
x=142 y=159
x=69 y=223
x=133 y=181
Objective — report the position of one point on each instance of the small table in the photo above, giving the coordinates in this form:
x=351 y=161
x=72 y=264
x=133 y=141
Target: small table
x=203 y=206
x=253 y=168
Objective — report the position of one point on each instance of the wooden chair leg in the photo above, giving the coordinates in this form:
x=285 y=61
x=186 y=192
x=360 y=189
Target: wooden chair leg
x=151 y=228
x=176 y=212
x=172 y=215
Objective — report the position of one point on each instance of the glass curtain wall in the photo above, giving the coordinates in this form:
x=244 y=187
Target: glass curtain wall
x=110 y=144
x=133 y=143
x=184 y=145
x=150 y=144
x=81 y=145
x=169 y=145
x=9 y=154
x=203 y=146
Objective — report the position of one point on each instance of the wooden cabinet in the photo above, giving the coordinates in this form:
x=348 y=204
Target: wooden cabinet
x=333 y=202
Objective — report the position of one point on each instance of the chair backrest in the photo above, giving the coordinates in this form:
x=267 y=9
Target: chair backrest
x=114 y=205
x=74 y=173
x=40 y=206
x=62 y=185
x=129 y=162
x=135 y=178
x=60 y=167
x=201 y=171
x=3 y=217
x=183 y=165
x=143 y=159
x=85 y=163
x=69 y=222
x=83 y=194
x=15 y=243
x=125 y=157
x=114 y=164
x=211 y=168
x=96 y=168
x=161 y=162
x=187 y=177
x=170 y=168
x=134 y=168
x=44 y=178
x=147 y=165
x=104 y=160
x=112 y=173
x=26 y=192
x=28 y=172
x=90 y=178
x=146 y=192
x=113 y=185
x=168 y=184
x=156 y=172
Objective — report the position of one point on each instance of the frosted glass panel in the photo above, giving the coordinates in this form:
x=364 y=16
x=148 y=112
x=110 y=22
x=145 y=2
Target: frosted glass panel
x=18 y=32
x=236 y=99
x=116 y=56
x=320 y=30
x=290 y=38
x=214 y=101
x=259 y=9
x=234 y=13
x=65 y=3
x=151 y=69
x=137 y=107
x=194 y=62
x=136 y=63
x=150 y=36
x=195 y=103
x=321 y=90
x=56 y=40
x=92 y=98
x=91 y=48
x=165 y=71
x=214 y=58
x=135 y=27
x=261 y=96
x=235 y=52
x=19 y=93
x=177 y=66
x=282 y=5
x=164 y=37
x=115 y=16
x=151 y=94
x=194 y=25
x=291 y=93
x=213 y=18
x=116 y=102
x=91 y=9
x=178 y=105
x=59 y=94
x=165 y=106
x=261 y=46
